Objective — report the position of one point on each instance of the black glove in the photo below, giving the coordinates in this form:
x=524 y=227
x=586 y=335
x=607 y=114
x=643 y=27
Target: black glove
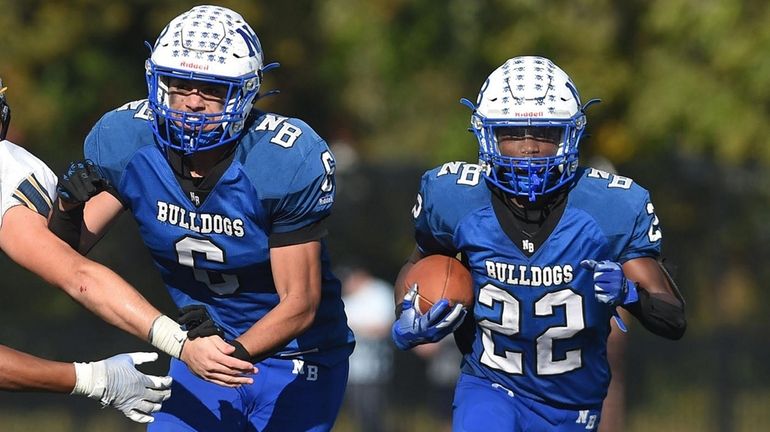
x=81 y=181
x=198 y=323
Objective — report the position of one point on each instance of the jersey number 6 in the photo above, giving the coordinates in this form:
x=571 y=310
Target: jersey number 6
x=185 y=249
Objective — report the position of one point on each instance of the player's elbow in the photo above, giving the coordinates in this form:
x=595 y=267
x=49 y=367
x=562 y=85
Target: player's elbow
x=305 y=311
x=308 y=316
x=672 y=330
x=661 y=318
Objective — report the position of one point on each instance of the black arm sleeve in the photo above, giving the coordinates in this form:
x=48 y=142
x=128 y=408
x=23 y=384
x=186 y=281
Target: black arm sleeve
x=67 y=225
x=312 y=232
x=659 y=316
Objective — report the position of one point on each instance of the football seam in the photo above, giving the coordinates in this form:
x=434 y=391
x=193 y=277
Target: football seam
x=448 y=278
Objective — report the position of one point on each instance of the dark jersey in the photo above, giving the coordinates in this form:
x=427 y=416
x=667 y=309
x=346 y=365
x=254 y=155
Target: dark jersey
x=540 y=332
x=216 y=251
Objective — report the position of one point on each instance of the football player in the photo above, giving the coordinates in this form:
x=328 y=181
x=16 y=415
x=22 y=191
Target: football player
x=553 y=248
x=232 y=203
x=27 y=188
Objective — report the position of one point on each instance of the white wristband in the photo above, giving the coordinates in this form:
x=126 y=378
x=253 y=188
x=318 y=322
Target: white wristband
x=167 y=336
x=88 y=383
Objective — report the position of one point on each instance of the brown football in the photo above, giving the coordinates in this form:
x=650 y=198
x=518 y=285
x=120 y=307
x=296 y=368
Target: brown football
x=437 y=277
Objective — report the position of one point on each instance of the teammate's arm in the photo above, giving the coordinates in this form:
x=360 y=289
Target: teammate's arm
x=660 y=308
x=297 y=276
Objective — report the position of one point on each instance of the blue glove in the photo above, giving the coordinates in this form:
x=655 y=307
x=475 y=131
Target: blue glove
x=611 y=286
x=413 y=328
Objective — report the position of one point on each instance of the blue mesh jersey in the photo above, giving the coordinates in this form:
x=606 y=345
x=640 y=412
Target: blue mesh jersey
x=281 y=179
x=540 y=331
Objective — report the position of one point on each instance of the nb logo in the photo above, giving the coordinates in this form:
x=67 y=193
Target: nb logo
x=586 y=419
x=310 y=371
x=527 y=246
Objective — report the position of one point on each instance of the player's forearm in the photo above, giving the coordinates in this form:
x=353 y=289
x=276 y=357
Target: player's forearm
x=660 y=307
x=660 y=313
x=111 y=298
x=89 y=283
x=289 y=319
x=25 y=372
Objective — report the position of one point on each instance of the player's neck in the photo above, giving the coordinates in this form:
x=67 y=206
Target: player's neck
x=537 y=210
x=202 y=163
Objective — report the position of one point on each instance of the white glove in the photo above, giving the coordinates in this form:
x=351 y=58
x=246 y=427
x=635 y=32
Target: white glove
x=116 y=382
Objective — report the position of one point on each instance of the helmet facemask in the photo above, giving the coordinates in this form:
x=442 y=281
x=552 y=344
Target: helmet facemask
x=197 y=131
x=536 y=98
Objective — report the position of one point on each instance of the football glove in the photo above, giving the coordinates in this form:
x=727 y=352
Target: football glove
x=611 y=286
x=414 y=328
x=198 y=323
x=81 y=181
x=116 y=382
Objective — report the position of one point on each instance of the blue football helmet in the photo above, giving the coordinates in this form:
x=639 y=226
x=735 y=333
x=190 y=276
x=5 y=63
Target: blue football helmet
x=208 y=44
x=536 y=97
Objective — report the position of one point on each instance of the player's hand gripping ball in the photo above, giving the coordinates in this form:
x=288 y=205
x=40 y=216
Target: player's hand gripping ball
x=440 y=291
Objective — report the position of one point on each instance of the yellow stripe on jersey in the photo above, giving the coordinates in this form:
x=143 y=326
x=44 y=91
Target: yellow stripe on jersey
x=31 y=193
x=41 y=190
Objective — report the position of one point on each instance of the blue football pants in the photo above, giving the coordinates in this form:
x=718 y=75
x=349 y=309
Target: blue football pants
x=286 y=396
x=482 y=406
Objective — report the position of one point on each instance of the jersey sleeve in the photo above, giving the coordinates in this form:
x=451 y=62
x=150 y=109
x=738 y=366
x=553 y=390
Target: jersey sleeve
x=433 y=234
x=116 y=137
x=309 y=194
x=646 y=236
x=25 y=180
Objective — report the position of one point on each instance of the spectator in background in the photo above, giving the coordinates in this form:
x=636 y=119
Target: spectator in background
x=369 y=306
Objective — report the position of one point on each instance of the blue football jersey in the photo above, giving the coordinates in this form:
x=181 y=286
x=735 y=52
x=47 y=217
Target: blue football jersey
x=280 y=180
x=540 y=331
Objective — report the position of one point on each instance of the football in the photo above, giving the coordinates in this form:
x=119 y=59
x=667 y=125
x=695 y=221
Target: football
x=437 y=277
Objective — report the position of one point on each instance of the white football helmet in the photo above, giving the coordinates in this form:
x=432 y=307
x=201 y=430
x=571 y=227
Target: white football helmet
x=210 y=44
x=529 y=92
